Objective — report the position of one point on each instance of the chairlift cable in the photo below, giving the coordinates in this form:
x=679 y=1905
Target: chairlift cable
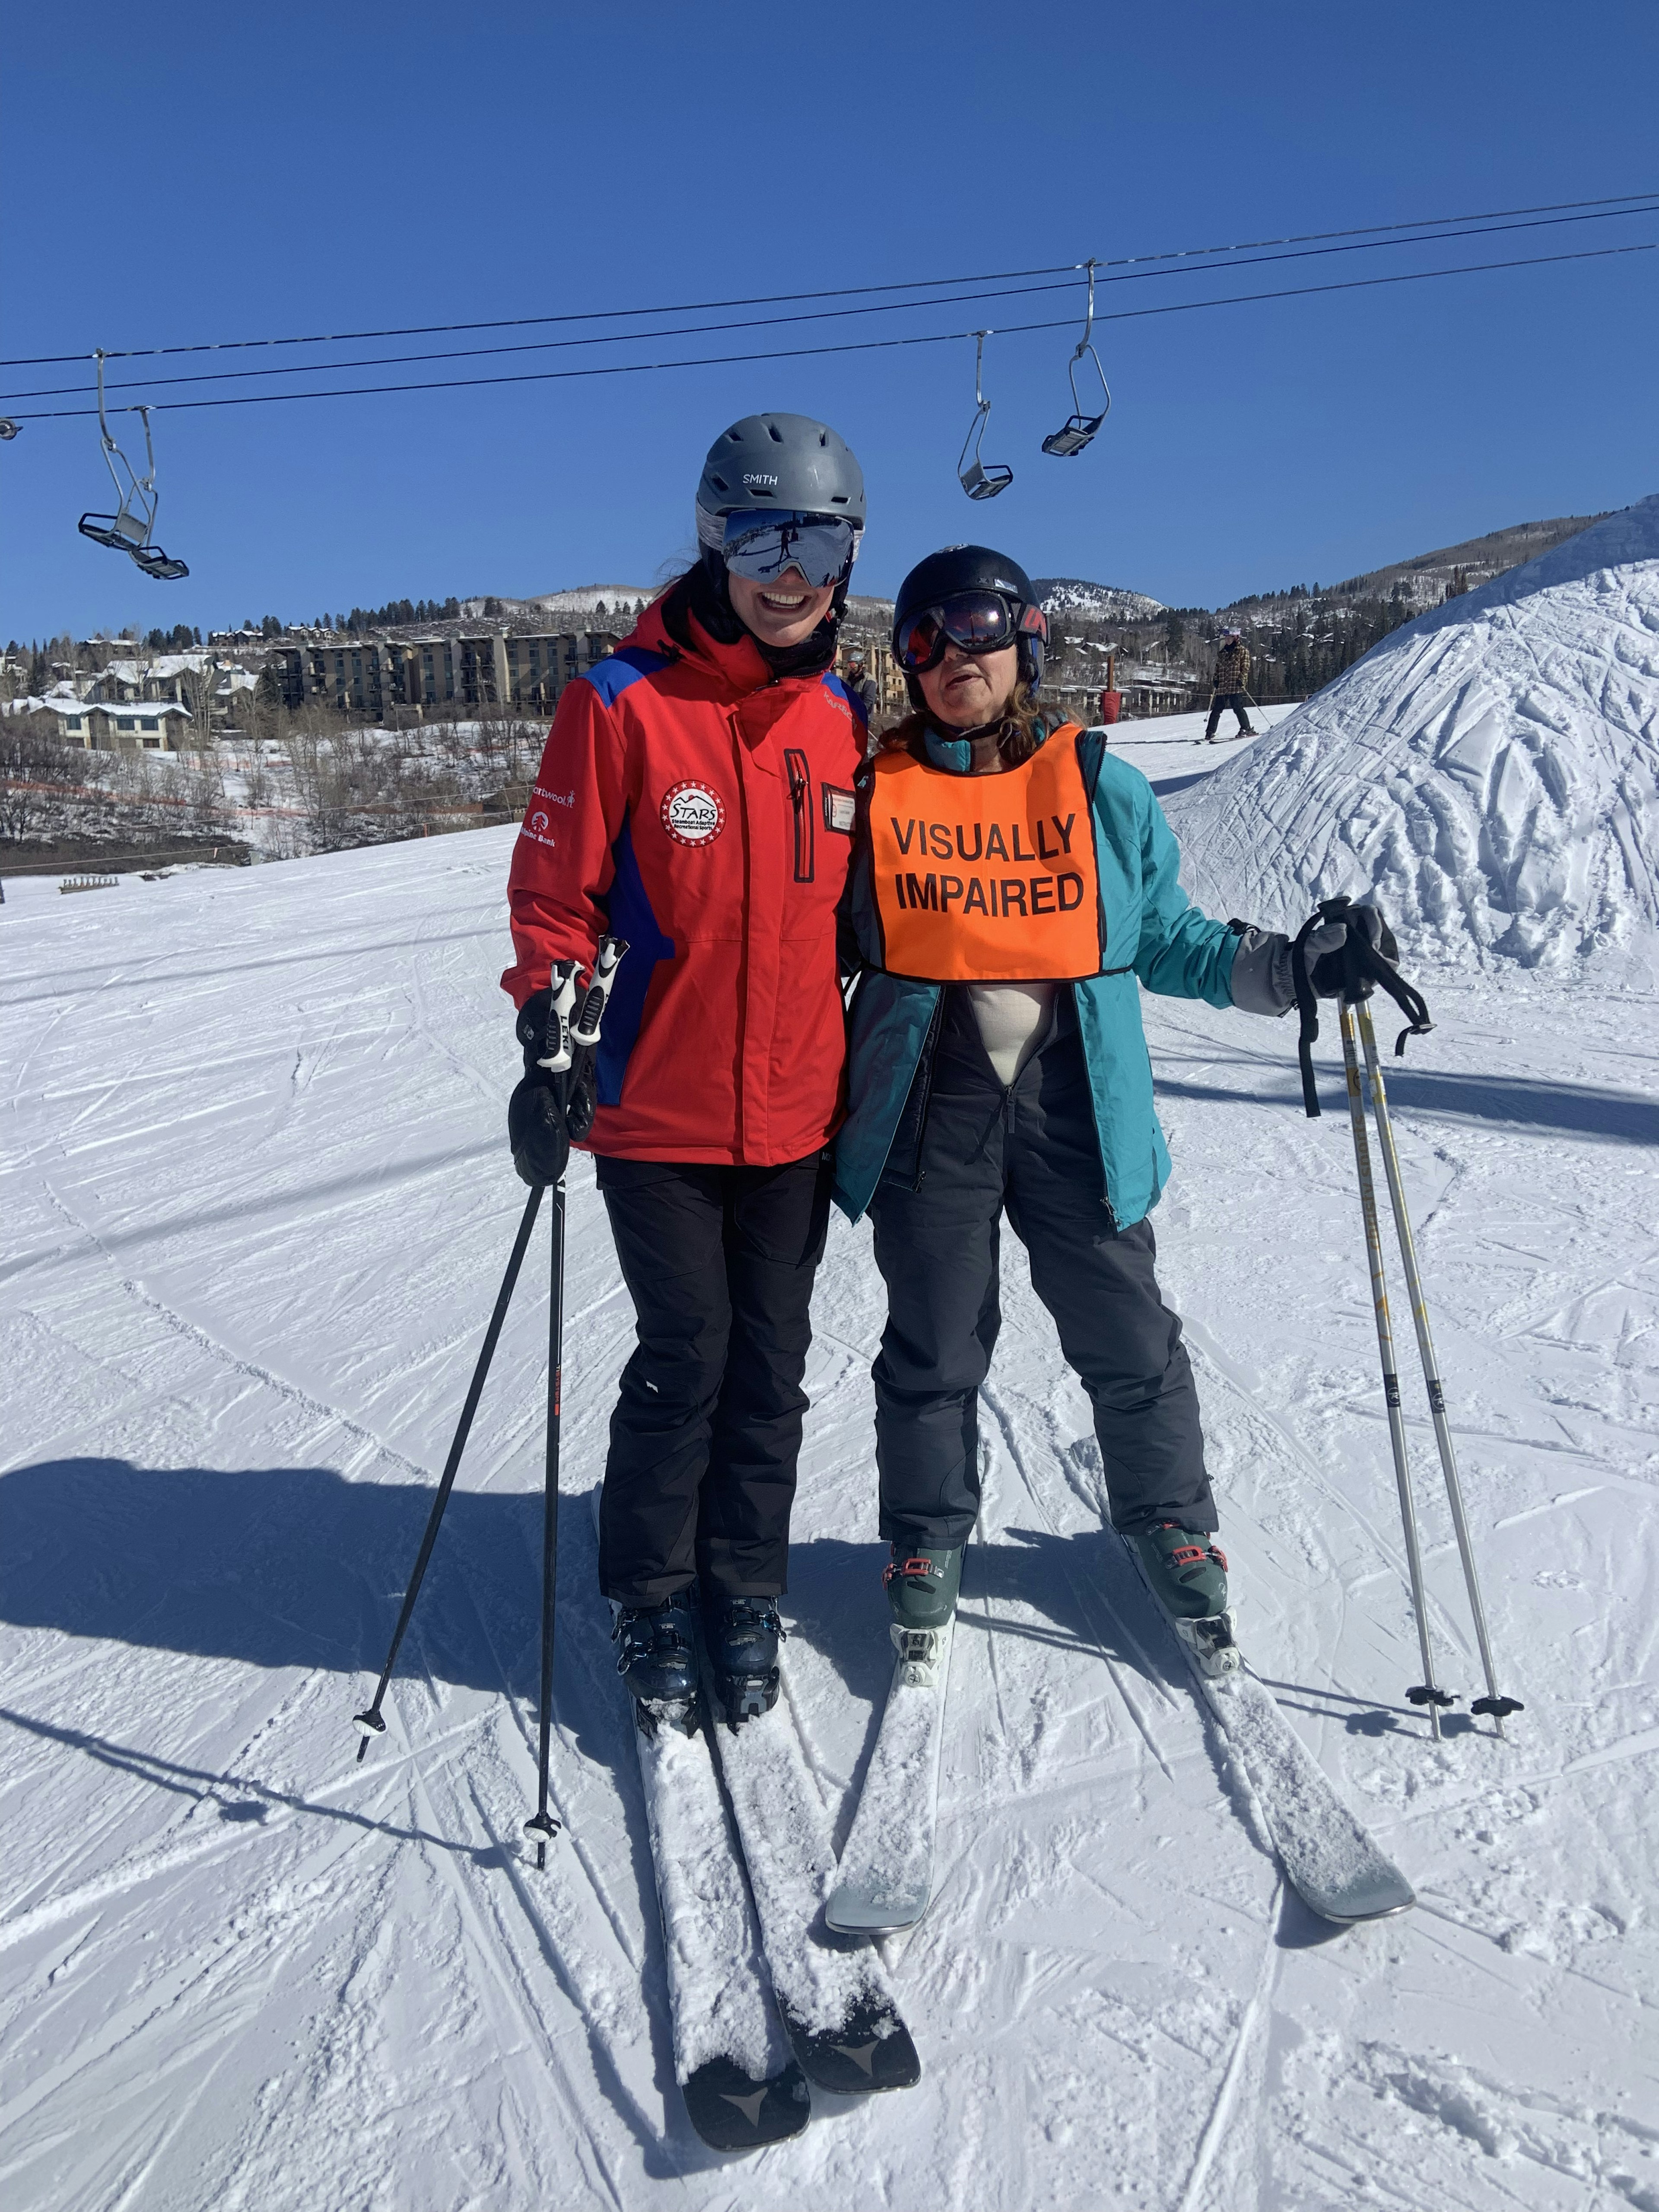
x=764 y=322
x=1613 y=203
x=855 y=345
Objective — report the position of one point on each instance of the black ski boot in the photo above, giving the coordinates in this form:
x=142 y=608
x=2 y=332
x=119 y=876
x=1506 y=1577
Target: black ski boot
x=656 y=1657
x=743 y=1634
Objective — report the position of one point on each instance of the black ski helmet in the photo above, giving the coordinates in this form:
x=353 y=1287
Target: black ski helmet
x=969 y=568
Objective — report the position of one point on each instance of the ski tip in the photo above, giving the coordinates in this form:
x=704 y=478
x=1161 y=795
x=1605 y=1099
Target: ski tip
x=734 y=2111
x=1381 y=1899
x=849 y=1912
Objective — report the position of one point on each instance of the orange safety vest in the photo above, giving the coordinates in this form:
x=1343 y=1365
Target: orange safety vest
x=987 y=878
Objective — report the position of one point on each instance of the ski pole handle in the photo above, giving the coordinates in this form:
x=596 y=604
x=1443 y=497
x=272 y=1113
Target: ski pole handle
x=556 y=1055
x=585 y=1029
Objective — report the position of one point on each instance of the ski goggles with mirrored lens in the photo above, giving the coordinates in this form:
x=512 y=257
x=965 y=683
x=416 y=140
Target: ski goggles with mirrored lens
x=978 y=621
x=762 y=545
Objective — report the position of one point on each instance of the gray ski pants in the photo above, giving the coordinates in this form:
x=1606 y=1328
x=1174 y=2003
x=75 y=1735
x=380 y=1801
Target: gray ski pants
x=1030 y=1151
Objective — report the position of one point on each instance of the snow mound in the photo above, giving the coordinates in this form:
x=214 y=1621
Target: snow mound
x=1490 y=772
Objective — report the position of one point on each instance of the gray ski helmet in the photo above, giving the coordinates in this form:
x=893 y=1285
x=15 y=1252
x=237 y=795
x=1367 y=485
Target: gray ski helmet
x=969 y=568
x=782 y=461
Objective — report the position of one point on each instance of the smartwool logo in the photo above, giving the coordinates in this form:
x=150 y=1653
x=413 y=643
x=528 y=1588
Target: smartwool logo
x=692 y=814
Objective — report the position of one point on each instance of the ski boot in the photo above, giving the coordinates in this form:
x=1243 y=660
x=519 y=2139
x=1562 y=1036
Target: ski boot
x=656 y=1657
x=922 y=1595
x=742 y=1634
x=1186 y=1573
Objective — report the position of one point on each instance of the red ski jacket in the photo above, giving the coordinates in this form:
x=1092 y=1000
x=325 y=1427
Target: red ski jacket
x=689 y=801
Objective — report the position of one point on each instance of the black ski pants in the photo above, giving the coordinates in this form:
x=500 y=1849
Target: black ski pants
x=701 y=1475
x=1030 y=1150
x=1222 y=701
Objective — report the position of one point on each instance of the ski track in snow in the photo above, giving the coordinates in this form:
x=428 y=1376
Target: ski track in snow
x=257 y=1208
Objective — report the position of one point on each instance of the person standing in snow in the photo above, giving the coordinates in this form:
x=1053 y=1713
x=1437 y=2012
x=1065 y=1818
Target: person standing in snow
x=695 y=798
x=1014 y=888
x=859 y=683
x=1232 y=677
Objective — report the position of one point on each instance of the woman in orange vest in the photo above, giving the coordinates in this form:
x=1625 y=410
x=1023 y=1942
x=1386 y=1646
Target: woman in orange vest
x=1014 y=888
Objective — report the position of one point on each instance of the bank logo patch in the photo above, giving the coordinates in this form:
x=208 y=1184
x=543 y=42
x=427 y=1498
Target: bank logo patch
x=692 y=814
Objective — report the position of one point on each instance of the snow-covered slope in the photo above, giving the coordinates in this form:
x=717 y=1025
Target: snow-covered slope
x=254 y=1205
x=1075 y=595
x=1491 y=771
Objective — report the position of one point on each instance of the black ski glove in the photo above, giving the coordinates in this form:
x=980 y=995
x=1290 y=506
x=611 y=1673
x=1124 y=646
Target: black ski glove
x=1325 y=954
x=536 y=1125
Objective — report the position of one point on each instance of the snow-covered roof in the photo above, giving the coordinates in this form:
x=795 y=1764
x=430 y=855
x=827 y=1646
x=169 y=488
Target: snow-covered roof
x=164 y=664
x=60 y=700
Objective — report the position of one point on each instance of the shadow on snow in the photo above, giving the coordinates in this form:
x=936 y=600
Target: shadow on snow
x=1625 y=1117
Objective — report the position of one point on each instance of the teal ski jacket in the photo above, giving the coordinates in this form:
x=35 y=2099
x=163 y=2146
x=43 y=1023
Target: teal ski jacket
x=1154 y=937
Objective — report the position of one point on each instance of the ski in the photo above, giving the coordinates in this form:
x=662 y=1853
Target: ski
x=885 y=1881
x=1329 y=1857
x=742 y=2084
x=837 y=2004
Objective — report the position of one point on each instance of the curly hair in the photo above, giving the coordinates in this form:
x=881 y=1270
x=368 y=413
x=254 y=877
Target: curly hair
x=1023 y=730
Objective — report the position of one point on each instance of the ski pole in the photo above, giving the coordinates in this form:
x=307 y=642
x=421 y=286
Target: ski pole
x=577 y=1041
x=542 y=1826
x=371 y=1723
x=1424 y=1693
x=1493 y=1703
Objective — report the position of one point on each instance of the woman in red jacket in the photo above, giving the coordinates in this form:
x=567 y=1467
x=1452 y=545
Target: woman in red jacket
x=695 y=799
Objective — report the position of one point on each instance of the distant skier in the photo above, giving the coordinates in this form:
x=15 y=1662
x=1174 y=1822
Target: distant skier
x=861 y=683
x=1232 y=677
x=695 y=798
x=1014 y=887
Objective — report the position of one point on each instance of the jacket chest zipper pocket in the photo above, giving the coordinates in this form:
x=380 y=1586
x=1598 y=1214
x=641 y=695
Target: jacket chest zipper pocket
x=801 y=791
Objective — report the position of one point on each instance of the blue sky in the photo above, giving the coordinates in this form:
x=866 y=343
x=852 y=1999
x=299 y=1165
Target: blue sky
x=187 y=173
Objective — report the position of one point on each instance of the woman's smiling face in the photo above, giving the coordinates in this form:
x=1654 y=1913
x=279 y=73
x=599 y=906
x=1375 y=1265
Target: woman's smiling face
x=968 y=689
x=780 y=614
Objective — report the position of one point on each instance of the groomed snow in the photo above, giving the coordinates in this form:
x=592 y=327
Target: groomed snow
x=1490 y=772
x=257 y=1206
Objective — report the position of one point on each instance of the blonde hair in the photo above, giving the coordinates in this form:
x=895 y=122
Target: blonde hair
x=1023 y=730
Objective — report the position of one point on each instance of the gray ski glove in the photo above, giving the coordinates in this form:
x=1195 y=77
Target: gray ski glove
x=1324 y=954
x=1264 y=976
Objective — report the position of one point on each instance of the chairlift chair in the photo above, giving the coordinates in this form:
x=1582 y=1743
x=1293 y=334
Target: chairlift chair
x=1077 y=432
x=129 y=529
x=981 y=479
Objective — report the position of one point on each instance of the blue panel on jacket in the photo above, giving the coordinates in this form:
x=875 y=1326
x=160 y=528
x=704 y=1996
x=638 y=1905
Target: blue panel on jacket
x=861 y=712
x=628 y=907
x=613 y=675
